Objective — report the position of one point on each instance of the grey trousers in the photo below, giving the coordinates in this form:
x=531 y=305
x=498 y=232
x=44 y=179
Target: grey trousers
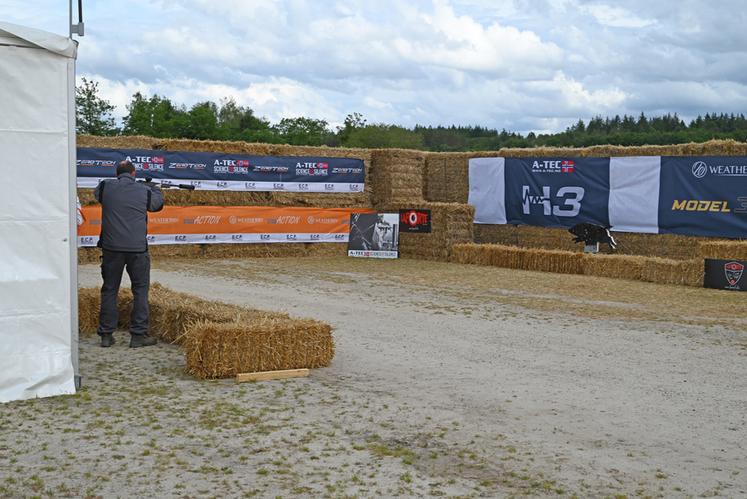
x=138 y=268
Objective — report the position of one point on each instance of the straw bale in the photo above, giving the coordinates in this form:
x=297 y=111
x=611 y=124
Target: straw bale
x=505 y=234
x=666 y=271
x=121 y=142
x=613 y=266
x=222 y=350
x=562 y=262
x=89 y=304
x=451 y=223
x=723 y=250
x=397 y=176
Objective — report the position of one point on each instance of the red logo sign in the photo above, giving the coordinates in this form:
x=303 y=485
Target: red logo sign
x=733 y=271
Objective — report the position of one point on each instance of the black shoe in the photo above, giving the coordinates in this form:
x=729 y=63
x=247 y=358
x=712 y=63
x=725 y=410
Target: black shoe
x=142 y=340
x=107 y=340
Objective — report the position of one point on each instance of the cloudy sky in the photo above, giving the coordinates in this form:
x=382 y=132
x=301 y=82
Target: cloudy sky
x=517 y=64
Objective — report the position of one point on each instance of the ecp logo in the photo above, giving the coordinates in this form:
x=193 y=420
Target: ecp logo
x=700 y=169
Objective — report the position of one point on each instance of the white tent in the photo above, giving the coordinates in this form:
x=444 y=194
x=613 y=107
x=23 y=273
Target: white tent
x=38 y=288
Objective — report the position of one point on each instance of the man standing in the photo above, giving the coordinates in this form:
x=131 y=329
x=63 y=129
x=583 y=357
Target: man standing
x=124 y=243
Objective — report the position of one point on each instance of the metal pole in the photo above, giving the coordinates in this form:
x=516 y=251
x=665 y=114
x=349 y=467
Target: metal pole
x=70 y=17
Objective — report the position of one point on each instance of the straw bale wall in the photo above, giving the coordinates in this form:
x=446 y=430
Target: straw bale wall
x=723 y=250
x=526 y=236
x=208 y=251
x=397 y=176
x=649 y=269
x=451 y=224
x=221 y=340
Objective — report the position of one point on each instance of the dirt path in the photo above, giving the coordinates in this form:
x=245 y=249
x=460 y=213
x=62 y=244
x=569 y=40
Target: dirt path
x=448 y=380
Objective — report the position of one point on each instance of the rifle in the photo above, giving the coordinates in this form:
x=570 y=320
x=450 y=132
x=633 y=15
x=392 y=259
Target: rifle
x=165 y=184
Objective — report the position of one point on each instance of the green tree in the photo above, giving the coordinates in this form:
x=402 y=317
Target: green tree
x=305 y=131
x=382 y=135
x=93 y=115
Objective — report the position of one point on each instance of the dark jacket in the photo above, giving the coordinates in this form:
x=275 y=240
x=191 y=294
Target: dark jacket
x=124 y=221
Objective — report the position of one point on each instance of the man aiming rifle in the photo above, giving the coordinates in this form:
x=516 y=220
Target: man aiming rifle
x=124 y=222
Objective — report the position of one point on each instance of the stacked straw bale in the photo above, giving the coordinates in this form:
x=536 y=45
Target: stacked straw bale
x=451 y=224
x=221 y=340
x=397 y=176
x=222 y=350
x=526 y=236
x=211 y=251
x=666 y=271
x=649 y=269
x=723 y=250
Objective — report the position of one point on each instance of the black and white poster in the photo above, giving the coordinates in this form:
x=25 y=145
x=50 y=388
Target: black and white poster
x=374 y=235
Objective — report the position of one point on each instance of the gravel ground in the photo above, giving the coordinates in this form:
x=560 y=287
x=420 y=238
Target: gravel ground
x=448 y=380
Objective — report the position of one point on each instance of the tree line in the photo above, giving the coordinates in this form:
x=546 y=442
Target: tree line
x=157 y=116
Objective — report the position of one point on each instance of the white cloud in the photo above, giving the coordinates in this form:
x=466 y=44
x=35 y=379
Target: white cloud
x=617 y=17
x=515 y=64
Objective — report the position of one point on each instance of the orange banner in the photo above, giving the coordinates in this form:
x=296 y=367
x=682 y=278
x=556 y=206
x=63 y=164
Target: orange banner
x=233 y=224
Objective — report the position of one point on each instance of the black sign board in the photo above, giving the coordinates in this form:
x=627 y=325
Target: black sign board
x=725 y=274
x=415 y=220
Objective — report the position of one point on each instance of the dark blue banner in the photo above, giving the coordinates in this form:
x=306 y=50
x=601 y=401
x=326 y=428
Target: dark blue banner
x=557 y=192
x=703 y=196
x=219 y=171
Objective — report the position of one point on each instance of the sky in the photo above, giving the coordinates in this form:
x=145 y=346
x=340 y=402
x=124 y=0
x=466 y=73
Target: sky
x=522 y=65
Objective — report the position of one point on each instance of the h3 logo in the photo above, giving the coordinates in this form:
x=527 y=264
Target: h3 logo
x=570 y=196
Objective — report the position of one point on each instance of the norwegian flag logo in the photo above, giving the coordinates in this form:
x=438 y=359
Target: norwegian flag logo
x=322 y=165
x=567 y=166
x=242 y=162
x=158 y=160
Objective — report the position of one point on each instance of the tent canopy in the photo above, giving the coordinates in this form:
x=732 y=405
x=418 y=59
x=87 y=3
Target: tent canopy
x=22 y=36
x=38 y=289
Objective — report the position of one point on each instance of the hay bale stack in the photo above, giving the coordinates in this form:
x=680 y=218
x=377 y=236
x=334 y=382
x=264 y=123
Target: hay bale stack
x=223 y=350
x=613 y=266
x=397 y=176
x=89 y=302
x=222 y=340
x=505 y=234
x=665 y=271
x=512 y=257
x=447 y=175
x=451 y=224
x=121 y=142
x=723 y=250
x=670 y=246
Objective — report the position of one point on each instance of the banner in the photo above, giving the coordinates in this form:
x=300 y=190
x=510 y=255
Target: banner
x=226 y=172
x=696 y=196
x=725 y=274
x=704 y=196
x=557 y=192
x=374 y=235
x=232 y=224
